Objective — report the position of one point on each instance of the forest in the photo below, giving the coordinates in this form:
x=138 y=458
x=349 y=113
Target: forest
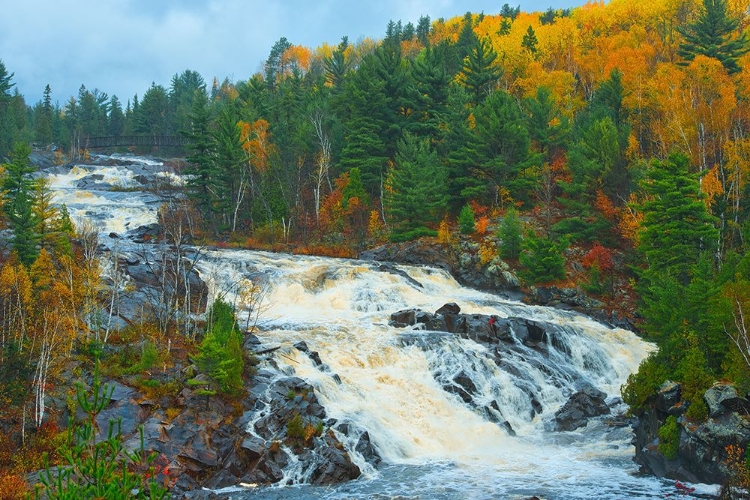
x=612 y=139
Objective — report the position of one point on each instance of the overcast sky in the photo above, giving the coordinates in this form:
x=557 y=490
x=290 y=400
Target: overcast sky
x=121 y=46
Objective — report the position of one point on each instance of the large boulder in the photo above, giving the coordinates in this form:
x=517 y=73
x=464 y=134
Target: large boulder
x=723 y=398
x=580 y=407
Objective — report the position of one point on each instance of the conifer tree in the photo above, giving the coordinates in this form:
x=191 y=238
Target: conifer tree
x=714 y=34
x=510 y=235
x=479 y=73
x=417 y=197
x=220 y=352
x=676 y=225
x=542 y=259
x=18 y=187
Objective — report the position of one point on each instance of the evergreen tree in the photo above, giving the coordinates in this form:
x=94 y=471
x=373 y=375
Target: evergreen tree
x=530 y=41
x=423 y=30
x=220 y=352
x=201 y=180
x=275 y=68
x=479 y=73
x=363 y=147
x=676 y=226
x=43 y=125
x=542 y=259
x=457 y=52
x=498 y=152
x=336 y=65
x=116 y=123
x=18 y=186
x=152 y=115
x=182 y=93
x=714 y=34
x=548 y=127
x=466 y=220
x=510 y=235
x=417 y=196
x=7 y=123
x=428 y=94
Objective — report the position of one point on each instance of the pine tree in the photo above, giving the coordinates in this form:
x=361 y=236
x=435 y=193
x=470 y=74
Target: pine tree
x=201 y=169
x=417 y=197
x=364 y=95
x=466 y=220
x=714 y=34
x=220 y=352
x=530 y=41
x=510 y=235
x=19 y=200
x=428 y=97
x=43 y=126
x=542 y=259
x=7 y=123
x=479 y=73
x=336 y=65
x=676 y=226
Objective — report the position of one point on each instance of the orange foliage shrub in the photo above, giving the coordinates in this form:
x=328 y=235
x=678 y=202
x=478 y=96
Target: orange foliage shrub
x=600 y=257
x=482 y=224
x=12 y=486
x=605 y=207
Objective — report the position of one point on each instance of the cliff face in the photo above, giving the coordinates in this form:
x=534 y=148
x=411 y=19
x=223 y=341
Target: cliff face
x=703 y=450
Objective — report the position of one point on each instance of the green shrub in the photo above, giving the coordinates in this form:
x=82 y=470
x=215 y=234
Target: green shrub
x=466 y=221
x=220 y=353
x=295 y=429
x=669 y=438
x=698 y=411
x=645 y=382
x=149 y=355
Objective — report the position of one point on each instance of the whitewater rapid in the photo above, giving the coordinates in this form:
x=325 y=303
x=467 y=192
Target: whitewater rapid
x=390 y=381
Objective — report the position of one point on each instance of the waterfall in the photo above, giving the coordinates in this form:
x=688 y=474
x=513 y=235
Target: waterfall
x=392 y=382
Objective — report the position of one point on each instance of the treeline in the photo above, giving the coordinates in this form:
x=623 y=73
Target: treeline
x=615 y=128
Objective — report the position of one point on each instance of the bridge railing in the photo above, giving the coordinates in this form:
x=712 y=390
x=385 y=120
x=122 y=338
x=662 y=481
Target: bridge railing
x=133 y=140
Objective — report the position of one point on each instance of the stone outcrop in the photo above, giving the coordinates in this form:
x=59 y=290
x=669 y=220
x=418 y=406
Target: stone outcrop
x=212 y=443
x=702 y=452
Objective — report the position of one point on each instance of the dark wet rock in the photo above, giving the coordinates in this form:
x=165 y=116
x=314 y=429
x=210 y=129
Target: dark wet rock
x=333 y=466
x=464 y=381
x=367 y=449
x=313 y=355
x=459 y=391
x=403 y=318
x=669 y=395
x=390 y=268
x=449 y=308
x=580 y=407
x=508 y=428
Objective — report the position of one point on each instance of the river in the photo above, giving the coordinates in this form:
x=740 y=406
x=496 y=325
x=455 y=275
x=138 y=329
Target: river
x=390 y=381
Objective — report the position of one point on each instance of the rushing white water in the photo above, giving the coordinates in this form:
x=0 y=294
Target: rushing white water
x=390 y=382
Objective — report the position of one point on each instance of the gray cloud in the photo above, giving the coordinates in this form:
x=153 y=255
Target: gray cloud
x=122 y=46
